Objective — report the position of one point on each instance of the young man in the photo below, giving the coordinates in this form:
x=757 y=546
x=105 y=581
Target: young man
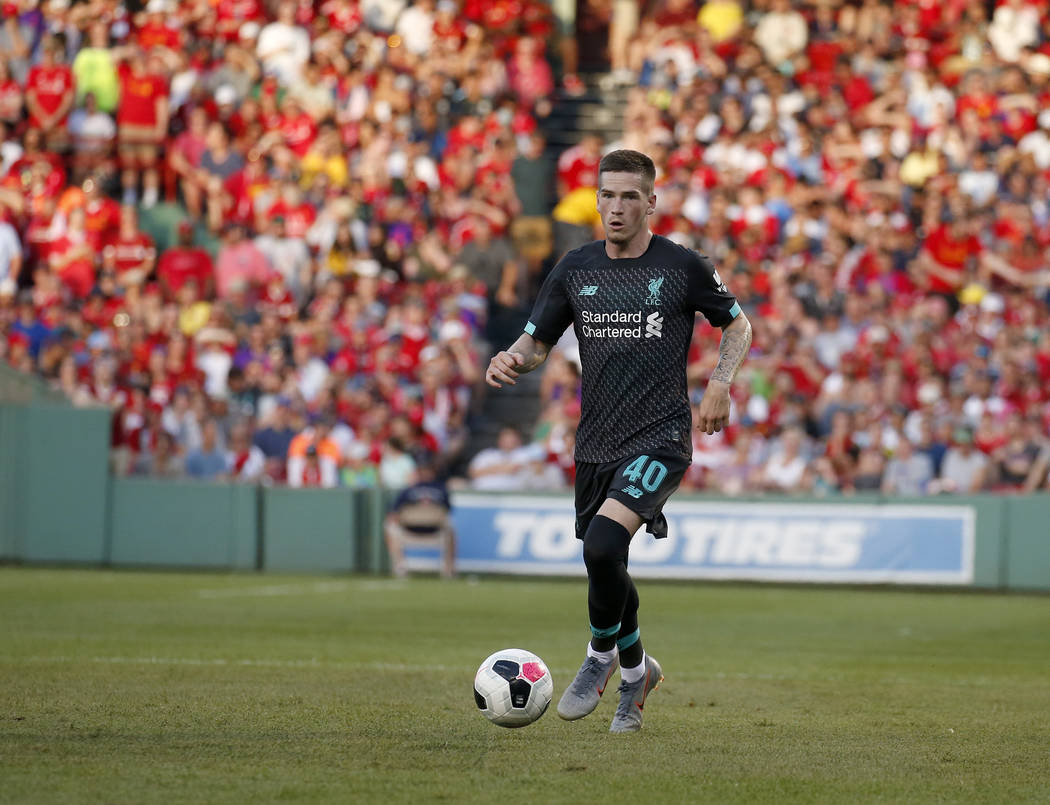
x=632 y=300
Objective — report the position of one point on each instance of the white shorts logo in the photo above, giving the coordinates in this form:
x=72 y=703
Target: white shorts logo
x=654 y=325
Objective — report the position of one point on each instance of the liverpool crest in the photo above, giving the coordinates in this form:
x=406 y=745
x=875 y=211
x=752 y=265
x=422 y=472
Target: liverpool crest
x=654 y=291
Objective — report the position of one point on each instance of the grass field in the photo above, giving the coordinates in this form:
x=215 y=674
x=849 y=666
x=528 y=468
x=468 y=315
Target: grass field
x=199 y=688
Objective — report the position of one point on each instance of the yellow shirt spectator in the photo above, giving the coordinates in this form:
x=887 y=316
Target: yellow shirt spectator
x=94 y=71
x=920 y=166
x=193 y=317
x=580 y=207
x=334 y=167
x=721 y=18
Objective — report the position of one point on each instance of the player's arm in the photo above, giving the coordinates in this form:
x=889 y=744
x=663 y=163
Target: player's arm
x=522 y=356
x=714 y=407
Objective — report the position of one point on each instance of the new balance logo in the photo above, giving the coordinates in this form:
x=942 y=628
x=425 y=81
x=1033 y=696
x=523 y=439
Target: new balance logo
x=588 y=290
x=633 y=491
x=654 y=325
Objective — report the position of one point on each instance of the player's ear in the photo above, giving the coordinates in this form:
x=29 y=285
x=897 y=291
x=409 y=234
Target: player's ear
x=652 y=205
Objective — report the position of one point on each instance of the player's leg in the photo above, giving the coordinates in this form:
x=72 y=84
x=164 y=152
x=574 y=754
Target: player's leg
x=605 y=547
x=600 y=535
x=640 y=673
x=448 y=551
x=649 y=482
x=629 y=638
x=395 y=546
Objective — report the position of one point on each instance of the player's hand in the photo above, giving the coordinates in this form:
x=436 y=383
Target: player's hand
x=502 y=369
x=714 y=408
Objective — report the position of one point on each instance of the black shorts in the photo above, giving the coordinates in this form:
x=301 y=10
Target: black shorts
x=642 y=483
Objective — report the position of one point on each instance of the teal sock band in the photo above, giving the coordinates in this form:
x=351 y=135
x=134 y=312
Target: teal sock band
x=629 y=640
x=612 y=631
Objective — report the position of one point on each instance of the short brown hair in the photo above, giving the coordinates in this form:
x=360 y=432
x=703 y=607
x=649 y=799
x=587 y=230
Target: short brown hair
x=627 y=161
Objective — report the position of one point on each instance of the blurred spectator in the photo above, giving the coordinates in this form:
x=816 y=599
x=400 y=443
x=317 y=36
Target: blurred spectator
x=908 y=473
x=183 y=263
x=502 y=467
x=11 y=257
x=162 y=460
x=95 y=69
x=72 y=258
x=142 y=125
x=1015 y=460
x=533 y=175
x=244 y=461
x=314 y=456
x=240 y=268
x=208 y=462
x=781 y=33
x=49 y=93
x=358 y=472
x=397 y=468
x=529 y=73
x=965 y=468
x=283 y=47
x=419 y=515
x=274 y=437
x=786 y=465
x=130 y=253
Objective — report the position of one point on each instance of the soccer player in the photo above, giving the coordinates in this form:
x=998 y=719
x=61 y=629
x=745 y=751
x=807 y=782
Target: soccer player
x=632 y=300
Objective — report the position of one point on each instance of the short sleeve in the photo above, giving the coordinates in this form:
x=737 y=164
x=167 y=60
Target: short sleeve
x=709 y=295
x=552 y=313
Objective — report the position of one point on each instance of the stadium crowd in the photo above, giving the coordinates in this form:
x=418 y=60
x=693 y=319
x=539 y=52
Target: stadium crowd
x=278 y=240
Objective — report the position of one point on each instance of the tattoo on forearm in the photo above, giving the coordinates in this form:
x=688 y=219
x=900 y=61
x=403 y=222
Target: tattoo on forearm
x=736 y=341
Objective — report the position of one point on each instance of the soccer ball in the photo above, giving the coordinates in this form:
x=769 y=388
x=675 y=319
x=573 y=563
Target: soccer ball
x=513 y=687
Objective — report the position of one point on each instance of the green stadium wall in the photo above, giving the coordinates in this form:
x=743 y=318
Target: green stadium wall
x=183 y=524
x=60 y=504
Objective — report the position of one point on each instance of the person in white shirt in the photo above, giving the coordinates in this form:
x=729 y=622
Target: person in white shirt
x=965 y=467
x=284 y=47
x=289 y=257
x=786 y=465
x=503 y=467
x=10 y=256
x=781 y=33
x=415 y=25
x=93 y=131
x=1015 y=25
x=244 y=461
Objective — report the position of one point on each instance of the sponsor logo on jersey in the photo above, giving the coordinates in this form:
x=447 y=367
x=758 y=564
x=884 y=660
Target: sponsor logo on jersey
x=654 y=325
x=633 y=491
x=719 y=285
x=588 y=290
x=629 y=321
x=654 y=291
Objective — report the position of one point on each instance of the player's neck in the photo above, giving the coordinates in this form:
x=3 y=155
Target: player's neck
x=636 y=247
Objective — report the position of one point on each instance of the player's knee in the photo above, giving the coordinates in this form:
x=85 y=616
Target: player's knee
x=599 y=555
x=605 y=543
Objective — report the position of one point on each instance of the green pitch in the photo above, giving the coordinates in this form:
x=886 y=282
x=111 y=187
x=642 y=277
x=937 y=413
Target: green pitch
x=205 y=688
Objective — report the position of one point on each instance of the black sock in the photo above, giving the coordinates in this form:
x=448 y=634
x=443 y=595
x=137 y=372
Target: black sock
x=629 y=640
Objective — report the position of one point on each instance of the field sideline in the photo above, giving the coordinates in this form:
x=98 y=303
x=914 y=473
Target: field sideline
x=128 y=687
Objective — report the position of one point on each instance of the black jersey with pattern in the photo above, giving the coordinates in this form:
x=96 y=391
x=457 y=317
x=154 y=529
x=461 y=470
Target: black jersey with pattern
x=634 y=320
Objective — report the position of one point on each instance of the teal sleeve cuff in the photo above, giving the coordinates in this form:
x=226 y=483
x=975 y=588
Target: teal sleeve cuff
x=734 y=311
x=530 y=328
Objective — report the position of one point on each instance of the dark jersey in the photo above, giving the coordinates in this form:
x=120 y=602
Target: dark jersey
x=634 y=320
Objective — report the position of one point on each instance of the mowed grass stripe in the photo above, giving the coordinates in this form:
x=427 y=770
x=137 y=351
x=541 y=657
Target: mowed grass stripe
x=135 y=687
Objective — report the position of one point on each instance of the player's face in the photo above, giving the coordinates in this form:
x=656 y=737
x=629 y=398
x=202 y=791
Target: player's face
x=624 y=203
